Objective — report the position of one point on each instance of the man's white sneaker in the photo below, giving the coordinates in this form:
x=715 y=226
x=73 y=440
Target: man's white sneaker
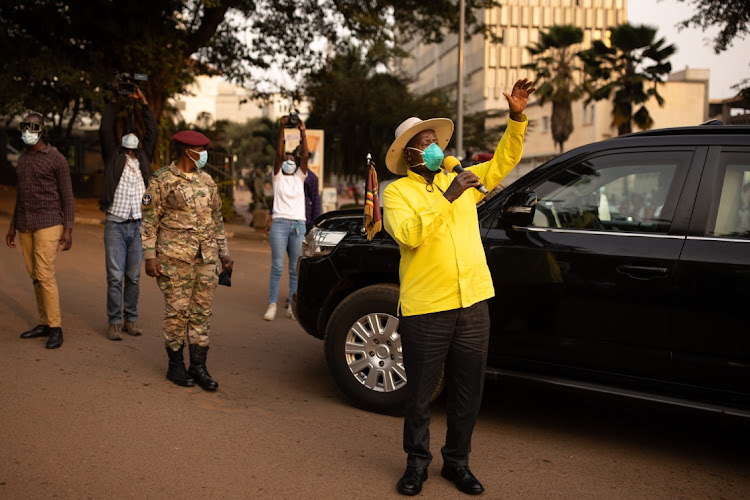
x=289 y=312
x=270 y=312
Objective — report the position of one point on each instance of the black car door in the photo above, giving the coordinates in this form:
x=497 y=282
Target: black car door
x=588 y=286
x=712 y=320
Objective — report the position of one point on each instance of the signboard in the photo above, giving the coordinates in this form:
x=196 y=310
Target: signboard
x=328 y=200
x=316 y=146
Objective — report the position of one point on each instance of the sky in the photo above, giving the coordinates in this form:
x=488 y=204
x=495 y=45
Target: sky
x=694 y=47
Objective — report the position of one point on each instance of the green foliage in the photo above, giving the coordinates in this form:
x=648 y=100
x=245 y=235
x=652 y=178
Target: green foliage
x=480 y=137
x=731 y=17
x=555 y=65
x=359 y=109
x=743 y=88
x=59 y=56
x=227 y=203
x=634 y=60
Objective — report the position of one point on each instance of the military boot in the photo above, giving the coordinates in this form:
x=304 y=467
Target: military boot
x=198 y=367
x=176 y=372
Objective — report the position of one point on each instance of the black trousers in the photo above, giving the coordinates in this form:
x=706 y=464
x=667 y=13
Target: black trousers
x=456 y=339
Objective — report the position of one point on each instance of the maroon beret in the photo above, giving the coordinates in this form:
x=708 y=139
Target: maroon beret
x=191 y=138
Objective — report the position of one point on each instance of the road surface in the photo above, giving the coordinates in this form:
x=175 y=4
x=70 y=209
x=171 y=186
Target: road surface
x=98 y=419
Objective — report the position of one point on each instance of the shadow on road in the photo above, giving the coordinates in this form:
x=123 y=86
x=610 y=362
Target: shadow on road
x=618 y=421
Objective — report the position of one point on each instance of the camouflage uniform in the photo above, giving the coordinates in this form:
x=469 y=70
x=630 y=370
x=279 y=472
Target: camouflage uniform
x=183 y=228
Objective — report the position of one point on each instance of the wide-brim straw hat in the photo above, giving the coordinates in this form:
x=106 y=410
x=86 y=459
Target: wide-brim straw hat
x=394 y=160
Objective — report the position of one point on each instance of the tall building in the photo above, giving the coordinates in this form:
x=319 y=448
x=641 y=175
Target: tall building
x=490 y=68
x=212 y=98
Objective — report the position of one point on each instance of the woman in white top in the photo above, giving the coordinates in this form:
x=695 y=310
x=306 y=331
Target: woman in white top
x=286 y=229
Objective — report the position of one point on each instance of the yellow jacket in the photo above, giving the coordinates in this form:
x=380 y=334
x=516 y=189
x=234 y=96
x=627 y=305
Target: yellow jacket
x=443 y=265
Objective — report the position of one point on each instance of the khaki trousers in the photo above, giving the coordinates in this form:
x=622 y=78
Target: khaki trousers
x=39 y=251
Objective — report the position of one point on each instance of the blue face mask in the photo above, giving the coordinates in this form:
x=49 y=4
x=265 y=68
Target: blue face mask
x=288 y=167
x=202 y=158
x=432 y=157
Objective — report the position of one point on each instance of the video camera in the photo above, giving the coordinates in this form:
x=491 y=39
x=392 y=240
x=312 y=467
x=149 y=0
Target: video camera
x=125 y=83
x=293 y=119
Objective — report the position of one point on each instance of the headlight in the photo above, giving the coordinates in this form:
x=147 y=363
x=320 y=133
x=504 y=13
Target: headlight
x=321 y=242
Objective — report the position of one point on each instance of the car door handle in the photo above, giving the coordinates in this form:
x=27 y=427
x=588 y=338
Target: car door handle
x=643 y=272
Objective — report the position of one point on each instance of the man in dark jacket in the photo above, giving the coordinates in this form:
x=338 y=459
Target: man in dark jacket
x=126 y=175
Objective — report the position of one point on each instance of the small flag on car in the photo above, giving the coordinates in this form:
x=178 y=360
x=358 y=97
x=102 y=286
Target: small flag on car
x=373 y=217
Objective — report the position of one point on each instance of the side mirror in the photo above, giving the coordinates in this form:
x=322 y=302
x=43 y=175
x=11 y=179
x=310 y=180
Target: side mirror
x=519 y=209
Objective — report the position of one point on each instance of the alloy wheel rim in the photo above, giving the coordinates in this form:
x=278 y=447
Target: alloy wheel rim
x=373 y=353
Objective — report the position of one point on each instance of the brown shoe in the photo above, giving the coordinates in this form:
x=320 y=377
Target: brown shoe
x=131 y=328
x=113 y=332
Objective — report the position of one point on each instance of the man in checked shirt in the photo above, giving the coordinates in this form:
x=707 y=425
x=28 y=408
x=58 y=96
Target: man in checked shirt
x=126 y=175
x=43 y=216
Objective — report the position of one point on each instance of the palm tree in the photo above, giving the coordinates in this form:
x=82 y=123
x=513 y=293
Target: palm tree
x=633 y=60
x=555 y=67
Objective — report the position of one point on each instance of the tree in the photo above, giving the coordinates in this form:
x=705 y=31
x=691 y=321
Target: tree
x=732 y=18
x=78 y=44
x=554 y=64
x=359 y=109
x=634 y=59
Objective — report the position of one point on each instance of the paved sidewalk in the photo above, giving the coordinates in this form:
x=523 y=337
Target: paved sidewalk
x=87 y=212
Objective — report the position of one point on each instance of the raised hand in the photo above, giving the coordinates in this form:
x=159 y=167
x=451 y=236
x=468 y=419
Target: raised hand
x=519 y=97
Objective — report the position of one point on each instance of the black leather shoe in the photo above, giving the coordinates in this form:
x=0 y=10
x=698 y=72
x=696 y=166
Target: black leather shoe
x=55 y=339
x=411 y=482
x=37 y=331
x=464 y=479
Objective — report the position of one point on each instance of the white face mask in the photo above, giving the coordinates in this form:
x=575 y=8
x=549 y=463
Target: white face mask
x=130 y=141
x=288 y=167
x=30 y=138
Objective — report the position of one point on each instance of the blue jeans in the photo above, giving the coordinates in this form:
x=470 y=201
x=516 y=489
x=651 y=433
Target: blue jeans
x=123 y=255
x=286 y=236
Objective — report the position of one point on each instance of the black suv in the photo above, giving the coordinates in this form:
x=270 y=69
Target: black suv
x=622 y=266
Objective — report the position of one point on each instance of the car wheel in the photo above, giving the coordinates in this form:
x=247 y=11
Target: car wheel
x=363 y=350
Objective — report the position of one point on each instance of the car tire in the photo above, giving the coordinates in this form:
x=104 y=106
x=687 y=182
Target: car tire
x=363 y=350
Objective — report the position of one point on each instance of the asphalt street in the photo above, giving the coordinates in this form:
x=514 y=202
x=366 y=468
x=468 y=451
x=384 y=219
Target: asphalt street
x=98 y=419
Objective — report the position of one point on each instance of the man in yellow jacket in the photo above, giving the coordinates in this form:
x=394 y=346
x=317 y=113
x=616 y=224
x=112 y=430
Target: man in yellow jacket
x=444 y=283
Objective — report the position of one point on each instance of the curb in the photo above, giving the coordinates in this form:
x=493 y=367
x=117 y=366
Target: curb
x=250 y=234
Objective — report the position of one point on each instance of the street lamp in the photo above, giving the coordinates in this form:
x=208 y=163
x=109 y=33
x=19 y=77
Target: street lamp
x=460 y=89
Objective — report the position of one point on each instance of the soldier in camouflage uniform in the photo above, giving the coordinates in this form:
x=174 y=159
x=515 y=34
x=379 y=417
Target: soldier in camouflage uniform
x=183 y=242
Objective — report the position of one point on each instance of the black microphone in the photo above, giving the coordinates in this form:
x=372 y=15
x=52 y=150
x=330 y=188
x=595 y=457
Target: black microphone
x=451 y=164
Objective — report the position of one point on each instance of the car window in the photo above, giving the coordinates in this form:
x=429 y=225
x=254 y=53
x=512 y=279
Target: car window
x=634 y=192
x=731 y=216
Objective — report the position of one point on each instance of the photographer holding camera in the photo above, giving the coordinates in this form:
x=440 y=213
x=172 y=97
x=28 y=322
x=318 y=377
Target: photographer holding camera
x=126 y=174
x=287 y=229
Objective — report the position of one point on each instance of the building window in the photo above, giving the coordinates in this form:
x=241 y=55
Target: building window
x=545 y=124
x=589 y=18
x=589 y=114
x=547 y=16
x=536 y=16
x=558 y=16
